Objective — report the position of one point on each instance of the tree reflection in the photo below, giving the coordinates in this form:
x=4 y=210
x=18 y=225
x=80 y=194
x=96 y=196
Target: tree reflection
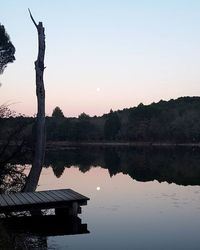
x=58 y=169
x=173 y=164
x=112 y=160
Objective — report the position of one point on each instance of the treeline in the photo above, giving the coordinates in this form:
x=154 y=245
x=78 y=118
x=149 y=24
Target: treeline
x=174 y=121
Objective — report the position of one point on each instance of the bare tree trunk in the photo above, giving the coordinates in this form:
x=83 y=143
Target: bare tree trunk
x=35 y=171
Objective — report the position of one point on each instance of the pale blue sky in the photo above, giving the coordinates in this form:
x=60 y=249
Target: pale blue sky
x=133 y=51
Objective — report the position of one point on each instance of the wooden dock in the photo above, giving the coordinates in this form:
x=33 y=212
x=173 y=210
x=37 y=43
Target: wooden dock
x=63 y=201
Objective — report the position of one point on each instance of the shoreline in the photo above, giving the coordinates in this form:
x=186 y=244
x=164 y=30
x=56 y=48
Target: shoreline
x=69 y=144
x=66 y=144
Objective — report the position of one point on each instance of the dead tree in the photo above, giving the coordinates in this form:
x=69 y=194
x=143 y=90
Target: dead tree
x=38 y=159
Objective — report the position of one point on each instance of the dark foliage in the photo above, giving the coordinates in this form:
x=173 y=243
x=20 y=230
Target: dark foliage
x=7 y=50
x=57 y=113
x=83 y=116
x=174 y=121
x=112 y=126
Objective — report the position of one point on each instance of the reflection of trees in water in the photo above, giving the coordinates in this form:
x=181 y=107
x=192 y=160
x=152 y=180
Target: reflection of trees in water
x=30 y=242
x=58 y=169
x=61 y=159
x=21 y=242
x=171 y=164
x=25 y=241
x=112 y=160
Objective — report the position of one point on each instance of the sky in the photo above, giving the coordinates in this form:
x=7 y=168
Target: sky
x=102 y=55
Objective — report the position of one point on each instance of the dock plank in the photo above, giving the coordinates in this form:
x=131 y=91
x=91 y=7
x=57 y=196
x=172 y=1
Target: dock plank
x=46 y=197
x=62 y=195
x=68 y=192
x=20 y=197
x=77 y=194
x=54 y=196
x=15 y=199
x=40 y=200
x=3 y=202
x=58 y=193
x=8 y=200
x=28 y=198
x=34 y=197
x=82 y=199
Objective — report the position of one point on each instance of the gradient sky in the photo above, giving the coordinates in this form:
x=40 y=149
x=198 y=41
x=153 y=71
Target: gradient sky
x=103 y=54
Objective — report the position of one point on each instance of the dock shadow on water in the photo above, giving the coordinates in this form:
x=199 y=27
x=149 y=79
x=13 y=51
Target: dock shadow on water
x=31 y=232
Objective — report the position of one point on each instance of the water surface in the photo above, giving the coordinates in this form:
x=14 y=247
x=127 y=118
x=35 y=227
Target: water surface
x=148 y=199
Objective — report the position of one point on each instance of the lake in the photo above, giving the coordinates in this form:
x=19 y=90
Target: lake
x=140 y=198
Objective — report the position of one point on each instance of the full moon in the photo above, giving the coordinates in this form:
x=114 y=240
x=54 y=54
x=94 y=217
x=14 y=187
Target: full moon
x=98 y=89
x=98 y=188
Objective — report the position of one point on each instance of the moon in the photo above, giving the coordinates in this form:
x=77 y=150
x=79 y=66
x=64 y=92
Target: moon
x=98 y=89
x=98 y=188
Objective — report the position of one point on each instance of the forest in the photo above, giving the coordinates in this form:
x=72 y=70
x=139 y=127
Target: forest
x=174 y=121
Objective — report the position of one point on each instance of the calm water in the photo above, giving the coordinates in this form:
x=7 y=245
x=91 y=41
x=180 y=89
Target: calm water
x=149 y=211
x=140 y=198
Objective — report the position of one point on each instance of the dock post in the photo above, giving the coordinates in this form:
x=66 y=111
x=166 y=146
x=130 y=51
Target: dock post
x=74 y=209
